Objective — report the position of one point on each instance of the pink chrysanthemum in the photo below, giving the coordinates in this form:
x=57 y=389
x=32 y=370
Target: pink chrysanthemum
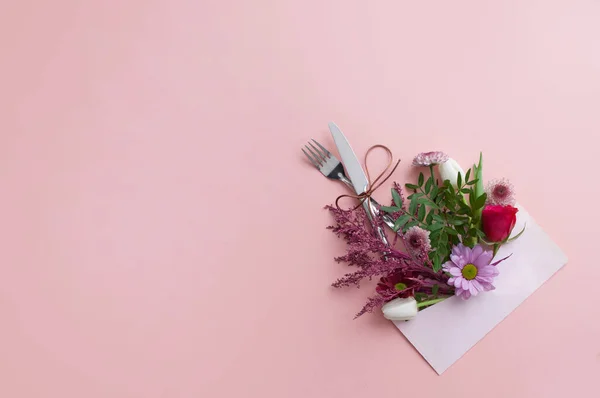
x=500 y=192
x=471 y=270
x=417 y=240
x=430 y=158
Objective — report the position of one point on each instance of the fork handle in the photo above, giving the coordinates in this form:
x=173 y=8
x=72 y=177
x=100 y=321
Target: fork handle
x=372 y=210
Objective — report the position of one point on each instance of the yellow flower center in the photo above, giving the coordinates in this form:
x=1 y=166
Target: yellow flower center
x=469 y=272
x=400 y=286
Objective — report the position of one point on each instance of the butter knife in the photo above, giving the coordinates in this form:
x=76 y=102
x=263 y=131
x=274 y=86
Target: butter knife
x=356 y=174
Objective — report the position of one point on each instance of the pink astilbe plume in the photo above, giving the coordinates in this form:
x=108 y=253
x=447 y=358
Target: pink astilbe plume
x=374 y=259
x=364 y=249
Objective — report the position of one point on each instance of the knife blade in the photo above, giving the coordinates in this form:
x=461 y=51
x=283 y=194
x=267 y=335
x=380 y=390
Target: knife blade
x=356 y=174
x=351 y=163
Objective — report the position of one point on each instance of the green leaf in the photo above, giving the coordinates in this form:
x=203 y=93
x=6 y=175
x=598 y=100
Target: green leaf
x=451 y=202
x=442 y=248
x=435 y=289
x=434 y=191
x=397 y=198
x=430 y=203
x=410 y=225
x=480 y=202
x=463 y=211
x=421 y=179
x=468 y=175
x=414 y=196
x=465 y=191
x=413 y=206
x=478 y=187
x=443 y=238
x=451 y=231
x=412 y=186
x=475 y=181
x=456 y=221
x=425 y=201
x=454 y=240
x=392 y=209
x=459 y=180
x=438 y=218
x=403 y=219
x=420 y=296
x=435 y=227
x=421 y=213
x=437 y=263
x=429 y=217
x=452 y=190
x=428 y=185
x=464 y=206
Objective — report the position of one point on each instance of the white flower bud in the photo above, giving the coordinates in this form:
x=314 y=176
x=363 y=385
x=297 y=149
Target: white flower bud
x=400 y=309
x=449 y=171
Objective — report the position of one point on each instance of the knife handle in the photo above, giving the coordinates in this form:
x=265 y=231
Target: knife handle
x=372 y=210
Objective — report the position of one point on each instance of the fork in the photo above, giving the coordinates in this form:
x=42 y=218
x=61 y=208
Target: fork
x=332 y=168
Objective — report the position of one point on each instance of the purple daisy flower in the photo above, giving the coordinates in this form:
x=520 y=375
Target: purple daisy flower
x=417 y=240
x=430 y=158
x=471 y=270
x=500 y=192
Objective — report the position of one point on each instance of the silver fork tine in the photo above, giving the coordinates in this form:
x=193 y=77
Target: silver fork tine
x=318 y=158
x=322 y=148
x=311 y=159
x=321 y=154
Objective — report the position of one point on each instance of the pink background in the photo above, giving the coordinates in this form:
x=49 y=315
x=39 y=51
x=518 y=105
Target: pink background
x=162 y=235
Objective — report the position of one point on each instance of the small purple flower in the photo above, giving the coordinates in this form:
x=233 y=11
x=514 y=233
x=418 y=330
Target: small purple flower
x=417 y=240
x=430 y=158
x=500 y=192
x=471 y=270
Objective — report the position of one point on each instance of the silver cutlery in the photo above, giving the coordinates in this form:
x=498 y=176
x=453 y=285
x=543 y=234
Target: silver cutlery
x=332 y=168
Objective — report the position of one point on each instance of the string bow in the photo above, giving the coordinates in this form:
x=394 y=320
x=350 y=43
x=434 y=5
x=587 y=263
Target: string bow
x=373 y=185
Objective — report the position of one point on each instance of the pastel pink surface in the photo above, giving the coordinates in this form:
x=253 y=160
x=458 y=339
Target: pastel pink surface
x=162 y=235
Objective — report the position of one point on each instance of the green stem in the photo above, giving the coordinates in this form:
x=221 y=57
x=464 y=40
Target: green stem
x=430 y=302
x=496 y=247
x=413 y=217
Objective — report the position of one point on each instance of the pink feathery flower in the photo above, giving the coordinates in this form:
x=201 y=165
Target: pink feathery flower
x=400 y=273
x=417 y=240
x=500 y=192
x=471 y=270
x=430 y=158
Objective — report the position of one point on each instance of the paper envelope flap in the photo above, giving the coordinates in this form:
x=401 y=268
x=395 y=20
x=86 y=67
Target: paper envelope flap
x=446 y=331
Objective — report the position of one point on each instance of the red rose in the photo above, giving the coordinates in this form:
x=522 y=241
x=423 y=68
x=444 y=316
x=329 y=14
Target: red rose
x=498 y=221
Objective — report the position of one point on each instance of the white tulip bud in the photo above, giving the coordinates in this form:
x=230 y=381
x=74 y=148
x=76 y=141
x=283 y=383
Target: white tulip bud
x=449 y=171
x=400 y=309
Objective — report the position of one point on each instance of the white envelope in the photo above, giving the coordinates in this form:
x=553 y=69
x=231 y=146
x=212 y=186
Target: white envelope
x=444 y=332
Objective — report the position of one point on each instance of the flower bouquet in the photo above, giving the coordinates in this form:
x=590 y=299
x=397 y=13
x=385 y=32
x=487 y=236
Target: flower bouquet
x=448 y=231
x=454 y=268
